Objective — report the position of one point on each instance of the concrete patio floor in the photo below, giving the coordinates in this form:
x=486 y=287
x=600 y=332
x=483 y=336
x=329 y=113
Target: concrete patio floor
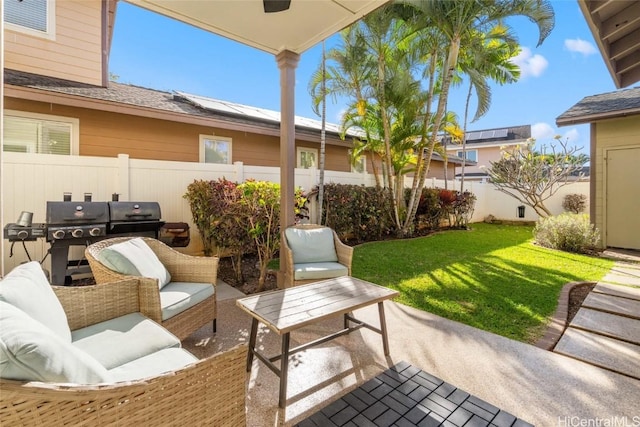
x=539 y=386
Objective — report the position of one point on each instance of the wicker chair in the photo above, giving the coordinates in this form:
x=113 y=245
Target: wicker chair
x=343 y=251
x=209 y=392
x=183 y=268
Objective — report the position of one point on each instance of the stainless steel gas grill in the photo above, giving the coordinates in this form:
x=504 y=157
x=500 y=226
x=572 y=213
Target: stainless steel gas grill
x=82 y=223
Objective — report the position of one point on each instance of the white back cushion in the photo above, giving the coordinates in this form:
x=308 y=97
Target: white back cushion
x=29 y=351
x=27 y=288
x=135 y=258
x=311 y=245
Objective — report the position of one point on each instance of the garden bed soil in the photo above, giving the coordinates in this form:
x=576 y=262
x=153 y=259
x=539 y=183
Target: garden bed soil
x=576 y=297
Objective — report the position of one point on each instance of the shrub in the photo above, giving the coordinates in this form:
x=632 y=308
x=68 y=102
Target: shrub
x=429 y=210
x=199 y=194
x=357 y=212
x=463 y=208
x=567 y=232
x=575 y=203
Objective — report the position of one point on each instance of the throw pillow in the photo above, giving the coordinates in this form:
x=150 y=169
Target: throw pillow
x=27 y=288
x=135 y=258
x=29 y=351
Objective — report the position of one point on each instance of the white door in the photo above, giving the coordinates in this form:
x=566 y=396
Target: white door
x=622 y=198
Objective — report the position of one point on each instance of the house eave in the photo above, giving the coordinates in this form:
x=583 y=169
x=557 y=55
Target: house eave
x=589 y=118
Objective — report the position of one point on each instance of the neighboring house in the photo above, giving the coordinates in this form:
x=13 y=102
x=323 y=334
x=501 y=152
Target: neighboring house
x=615 y=155
x=486 y=146
x=58 y=100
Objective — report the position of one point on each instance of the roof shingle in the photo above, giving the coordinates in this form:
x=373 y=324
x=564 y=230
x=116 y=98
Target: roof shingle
x=606 y=105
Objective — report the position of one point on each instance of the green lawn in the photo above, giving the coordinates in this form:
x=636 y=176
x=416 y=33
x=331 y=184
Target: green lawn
x=491 y=277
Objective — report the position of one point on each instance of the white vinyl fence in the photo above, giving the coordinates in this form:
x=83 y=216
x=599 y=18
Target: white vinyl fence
x=30 y=180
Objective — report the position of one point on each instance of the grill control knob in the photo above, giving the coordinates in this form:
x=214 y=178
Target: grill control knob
x=58 y=234
x=22 y=234
x=78 y=232
x=95 y=231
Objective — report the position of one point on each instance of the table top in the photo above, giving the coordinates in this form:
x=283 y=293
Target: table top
x=288 y=309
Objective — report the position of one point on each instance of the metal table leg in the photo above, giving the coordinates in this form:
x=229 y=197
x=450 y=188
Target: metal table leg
x=383 y=328
x=252 y=343
x=284 y=369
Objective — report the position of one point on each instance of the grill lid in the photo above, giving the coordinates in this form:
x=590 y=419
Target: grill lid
x=77 y=213
x=134 y=212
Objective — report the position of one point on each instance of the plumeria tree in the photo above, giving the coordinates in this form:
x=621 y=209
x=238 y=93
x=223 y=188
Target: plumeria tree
x=532 y=177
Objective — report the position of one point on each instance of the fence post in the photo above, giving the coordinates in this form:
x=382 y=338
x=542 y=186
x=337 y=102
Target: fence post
x=239 y=171
x=124 y=177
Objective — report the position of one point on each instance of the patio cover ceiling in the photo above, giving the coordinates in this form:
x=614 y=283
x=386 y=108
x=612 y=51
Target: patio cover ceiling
x=615 y=25
x=303 y=25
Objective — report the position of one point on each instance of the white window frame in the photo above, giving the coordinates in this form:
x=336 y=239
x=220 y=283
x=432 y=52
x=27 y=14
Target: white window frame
x=460 y=153
x=300 y=150
x=50 y=34
x=363 y=161
x=228 y=140
x=74 y=144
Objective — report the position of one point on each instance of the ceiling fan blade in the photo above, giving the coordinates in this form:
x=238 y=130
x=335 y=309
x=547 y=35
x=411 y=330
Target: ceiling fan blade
x=271 y=6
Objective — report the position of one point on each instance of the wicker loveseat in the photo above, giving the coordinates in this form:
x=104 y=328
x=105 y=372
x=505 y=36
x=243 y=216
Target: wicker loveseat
x=168 y=390
x=184 y=270
x=314 y=252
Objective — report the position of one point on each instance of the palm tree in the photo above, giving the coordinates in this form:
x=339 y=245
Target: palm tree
x=457 y=21
x=488 y=58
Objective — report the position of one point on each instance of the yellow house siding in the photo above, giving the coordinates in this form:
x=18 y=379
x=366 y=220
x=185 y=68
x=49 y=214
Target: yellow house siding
x=107 y=134
x=610 y=134
x=74 y=54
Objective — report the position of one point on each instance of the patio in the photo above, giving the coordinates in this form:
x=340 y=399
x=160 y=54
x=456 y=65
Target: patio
x=538 y=386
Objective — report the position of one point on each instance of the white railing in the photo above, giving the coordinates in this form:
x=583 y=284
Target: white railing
x=32 y=180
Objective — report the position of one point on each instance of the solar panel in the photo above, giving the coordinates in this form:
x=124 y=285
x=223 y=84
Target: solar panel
x=473 y=135
x=501 y=133
x=486 y=134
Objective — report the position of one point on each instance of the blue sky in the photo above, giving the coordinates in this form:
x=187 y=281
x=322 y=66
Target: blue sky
x=152 y=51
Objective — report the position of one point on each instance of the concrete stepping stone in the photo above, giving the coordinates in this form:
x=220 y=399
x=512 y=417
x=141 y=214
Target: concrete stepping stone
x=621 y=278
x=608 y=353
x=613 y=304
x=607 y=324
x=618 y=290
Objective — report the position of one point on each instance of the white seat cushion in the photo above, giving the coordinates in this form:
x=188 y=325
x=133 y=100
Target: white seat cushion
x=135 y=258
x=167 y=360
x=176 y=297
x=27 y=288
x=30 y=351
x=311 y=245
x=319 y=270
x=123 y=339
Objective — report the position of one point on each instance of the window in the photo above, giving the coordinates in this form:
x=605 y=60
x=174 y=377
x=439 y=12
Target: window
x=35 y=17
x=471 y=155
x=215 y=149
x=307 y=158
x=360 y=166
x=40 y=133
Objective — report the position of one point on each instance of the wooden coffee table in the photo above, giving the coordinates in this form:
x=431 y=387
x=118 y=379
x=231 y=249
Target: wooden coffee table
x=286 y=310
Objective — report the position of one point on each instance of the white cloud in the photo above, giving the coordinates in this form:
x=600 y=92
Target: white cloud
x=580 y=46
x=571 y=136
x=530 y=64
x=541 y=131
